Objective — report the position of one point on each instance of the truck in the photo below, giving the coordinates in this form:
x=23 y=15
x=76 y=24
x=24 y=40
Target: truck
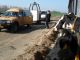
x=13 y=18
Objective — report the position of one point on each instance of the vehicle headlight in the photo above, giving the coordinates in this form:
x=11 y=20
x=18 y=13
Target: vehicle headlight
x=43 y=16
x=8 y=21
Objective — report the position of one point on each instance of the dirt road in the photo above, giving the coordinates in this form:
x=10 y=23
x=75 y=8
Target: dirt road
x=14 y=44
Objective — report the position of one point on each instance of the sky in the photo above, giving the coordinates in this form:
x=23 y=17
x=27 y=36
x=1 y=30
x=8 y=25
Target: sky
x=57 y=5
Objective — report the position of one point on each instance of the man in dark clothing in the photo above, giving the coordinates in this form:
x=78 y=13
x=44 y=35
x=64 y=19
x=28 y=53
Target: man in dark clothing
x=48 y=15
x=71 y=23
x=48 y=18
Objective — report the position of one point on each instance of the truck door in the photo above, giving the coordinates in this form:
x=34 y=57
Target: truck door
x=27 y=18
x=21 y=18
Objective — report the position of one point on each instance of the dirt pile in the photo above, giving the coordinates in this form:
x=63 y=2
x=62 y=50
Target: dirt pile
x=48 y=38
x=41 y=48
x=34 y=53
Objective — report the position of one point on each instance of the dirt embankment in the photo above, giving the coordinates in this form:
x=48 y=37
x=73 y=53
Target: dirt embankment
x=41 y=47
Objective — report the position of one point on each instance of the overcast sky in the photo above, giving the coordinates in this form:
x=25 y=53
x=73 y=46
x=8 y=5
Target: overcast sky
x=59 y=5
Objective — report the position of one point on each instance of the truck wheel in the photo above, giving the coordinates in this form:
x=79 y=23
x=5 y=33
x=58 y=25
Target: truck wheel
x=0 y=30
x=13 y=28
x=38 y=22
x=28 y=25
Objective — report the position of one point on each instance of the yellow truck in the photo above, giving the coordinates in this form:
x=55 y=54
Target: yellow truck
x=14 y=18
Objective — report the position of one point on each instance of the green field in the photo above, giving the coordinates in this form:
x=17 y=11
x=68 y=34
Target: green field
x=56 y=13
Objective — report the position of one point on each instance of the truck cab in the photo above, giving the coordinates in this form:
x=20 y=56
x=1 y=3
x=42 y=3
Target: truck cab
x=15 y=17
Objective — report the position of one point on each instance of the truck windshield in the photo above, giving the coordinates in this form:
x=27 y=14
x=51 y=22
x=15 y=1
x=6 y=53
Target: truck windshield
x=10 y=14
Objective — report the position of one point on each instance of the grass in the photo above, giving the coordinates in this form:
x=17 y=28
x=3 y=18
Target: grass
x=56 y=13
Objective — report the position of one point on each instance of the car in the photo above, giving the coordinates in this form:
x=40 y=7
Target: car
x=13 y=18
x=43 y=15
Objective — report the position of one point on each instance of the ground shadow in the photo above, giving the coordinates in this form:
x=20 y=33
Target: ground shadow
x=26 y=29
x=33 y=27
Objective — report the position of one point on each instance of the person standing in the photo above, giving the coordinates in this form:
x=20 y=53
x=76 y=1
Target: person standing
x=69 y=22
x=48 y=15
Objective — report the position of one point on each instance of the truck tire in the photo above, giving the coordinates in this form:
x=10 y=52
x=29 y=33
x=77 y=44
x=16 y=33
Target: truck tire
x=0 y=29
x=13 y=27
x=39 y=22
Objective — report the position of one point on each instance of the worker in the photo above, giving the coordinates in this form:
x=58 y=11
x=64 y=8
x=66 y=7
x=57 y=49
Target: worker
x=72 y=24
x=48 y=18
x=48 y=15
x=69 y=21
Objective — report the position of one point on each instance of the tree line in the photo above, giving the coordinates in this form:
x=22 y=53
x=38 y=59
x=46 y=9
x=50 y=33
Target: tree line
x=3 y=9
